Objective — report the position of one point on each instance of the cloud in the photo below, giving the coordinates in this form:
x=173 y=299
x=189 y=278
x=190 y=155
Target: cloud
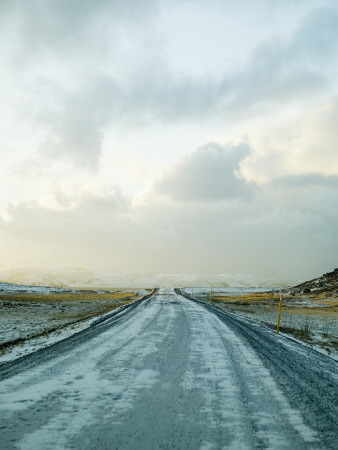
x=285 y=69
x=95 y=231
x=304 y=145
x=76 y=126
x=67 y=65
x=207 y=174
x=57 y=212
x=268 y=235
x=307 y=181
x=88 y=66
x=282 y=218
x=280 y=71
x=61 y=229
x=318 y=36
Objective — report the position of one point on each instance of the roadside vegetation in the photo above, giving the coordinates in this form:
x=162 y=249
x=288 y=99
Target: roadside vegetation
x=29 y=315
x=310 y=318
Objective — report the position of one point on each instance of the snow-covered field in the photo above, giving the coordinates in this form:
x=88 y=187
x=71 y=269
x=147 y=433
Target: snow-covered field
x=32 y=316
x=311 y=320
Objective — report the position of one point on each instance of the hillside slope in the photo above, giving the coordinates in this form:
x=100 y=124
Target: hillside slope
x=326 y=284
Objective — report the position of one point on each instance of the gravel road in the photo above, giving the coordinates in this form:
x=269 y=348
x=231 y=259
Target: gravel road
x=170 y=373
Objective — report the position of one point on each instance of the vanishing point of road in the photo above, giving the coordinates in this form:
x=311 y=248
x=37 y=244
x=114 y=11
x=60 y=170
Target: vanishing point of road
x=170 y=373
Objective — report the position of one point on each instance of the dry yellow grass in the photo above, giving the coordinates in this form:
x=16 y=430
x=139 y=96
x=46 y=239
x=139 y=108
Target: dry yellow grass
x=83 y=315
x=329 y=311
x=58 y=310
x=310 y=318
x=265 y=298
x=67 y=297
x=316 y=306
x=248 y=299
x=332 y=302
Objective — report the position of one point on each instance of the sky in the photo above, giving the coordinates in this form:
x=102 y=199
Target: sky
x=169 y=136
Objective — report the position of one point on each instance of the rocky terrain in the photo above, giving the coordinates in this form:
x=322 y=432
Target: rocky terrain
x=326 y=284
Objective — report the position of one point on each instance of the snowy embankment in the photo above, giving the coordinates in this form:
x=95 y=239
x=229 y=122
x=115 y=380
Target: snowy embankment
x=33 y=317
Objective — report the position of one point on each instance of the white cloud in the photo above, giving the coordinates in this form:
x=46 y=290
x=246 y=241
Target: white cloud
x=305 y=145
x=207 y=174
x=86 y=67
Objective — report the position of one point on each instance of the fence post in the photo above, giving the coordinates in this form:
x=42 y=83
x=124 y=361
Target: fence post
x=210 y=296
x=279 y=311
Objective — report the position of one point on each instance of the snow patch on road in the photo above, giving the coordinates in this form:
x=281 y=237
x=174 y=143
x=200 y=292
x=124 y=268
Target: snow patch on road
x=228 y=378
x=79 y=385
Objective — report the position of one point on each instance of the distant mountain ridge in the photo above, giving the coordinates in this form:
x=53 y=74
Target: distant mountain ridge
x=83 y=278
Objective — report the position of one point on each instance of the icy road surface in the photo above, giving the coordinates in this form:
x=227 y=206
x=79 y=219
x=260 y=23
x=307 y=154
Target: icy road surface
x=170 y=373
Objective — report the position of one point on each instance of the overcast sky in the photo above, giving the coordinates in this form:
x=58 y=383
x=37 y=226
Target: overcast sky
x=170 y=136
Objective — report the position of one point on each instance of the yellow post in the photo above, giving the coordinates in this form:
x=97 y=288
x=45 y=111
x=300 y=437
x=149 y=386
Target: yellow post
x=279 y=311
x=210 y=296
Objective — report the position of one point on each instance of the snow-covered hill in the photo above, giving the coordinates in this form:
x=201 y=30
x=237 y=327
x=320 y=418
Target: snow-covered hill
x=78 y=277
